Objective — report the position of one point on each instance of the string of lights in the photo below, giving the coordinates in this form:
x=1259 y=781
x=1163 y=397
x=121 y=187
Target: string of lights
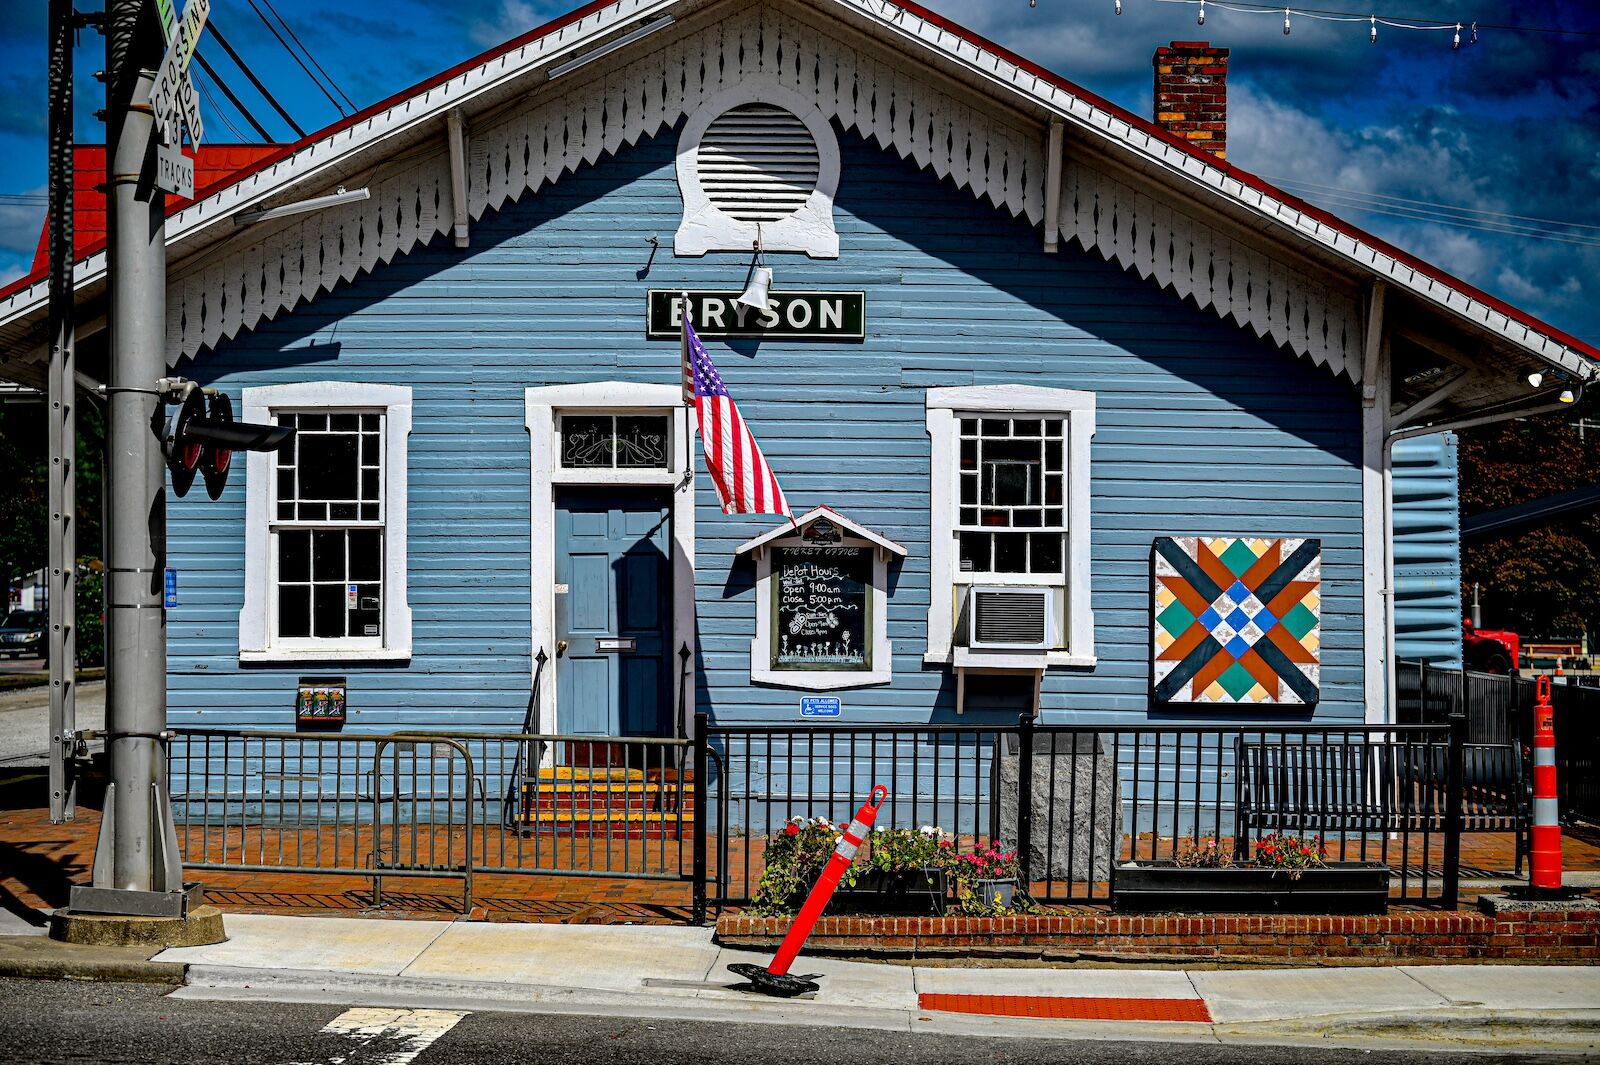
x=1464 y=31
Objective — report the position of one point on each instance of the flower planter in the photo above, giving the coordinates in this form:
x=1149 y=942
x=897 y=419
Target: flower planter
x=992 y=893
x=879 y=891
x=1337 y=887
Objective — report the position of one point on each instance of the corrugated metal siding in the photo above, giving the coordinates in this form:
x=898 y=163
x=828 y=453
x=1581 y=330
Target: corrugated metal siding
x=1203 y=429
x=1427 y=550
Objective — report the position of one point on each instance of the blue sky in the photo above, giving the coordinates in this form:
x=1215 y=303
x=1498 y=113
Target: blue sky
x=1510 y=125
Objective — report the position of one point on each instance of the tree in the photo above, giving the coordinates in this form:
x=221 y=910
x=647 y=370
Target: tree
x=1544 y=582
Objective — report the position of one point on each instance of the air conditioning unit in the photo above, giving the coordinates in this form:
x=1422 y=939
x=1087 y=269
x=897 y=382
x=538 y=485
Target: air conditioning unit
x=1009 y=619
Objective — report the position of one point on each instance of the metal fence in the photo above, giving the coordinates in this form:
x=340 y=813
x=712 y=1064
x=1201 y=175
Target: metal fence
x=415 y=804
x=1078 y=800
x=1499 y=711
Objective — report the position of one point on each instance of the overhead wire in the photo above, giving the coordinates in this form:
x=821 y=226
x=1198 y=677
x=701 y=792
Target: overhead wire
x=1402 y=22
x=1406 y=201
x=261 y=131
x=307 y=51
x=215 y=31
x=296 y=57
x=217 y=110
x=1361 y=203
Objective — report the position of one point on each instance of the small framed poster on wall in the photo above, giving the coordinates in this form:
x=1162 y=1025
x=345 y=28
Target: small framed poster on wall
x=321 y=701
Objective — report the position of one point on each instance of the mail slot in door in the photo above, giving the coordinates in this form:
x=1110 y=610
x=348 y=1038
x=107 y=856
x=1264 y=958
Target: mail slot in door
x=616 y=643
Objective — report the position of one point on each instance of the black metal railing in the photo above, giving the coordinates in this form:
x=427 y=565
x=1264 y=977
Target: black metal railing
x=1499 y=713
x=1079 y=800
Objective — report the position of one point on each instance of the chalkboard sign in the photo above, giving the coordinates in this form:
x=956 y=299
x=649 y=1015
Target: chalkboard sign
x=821 y=608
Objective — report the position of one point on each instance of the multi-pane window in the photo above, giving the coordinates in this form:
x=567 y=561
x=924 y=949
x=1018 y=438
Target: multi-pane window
x=614 y=441
x=328 y=526
x=1012 y=515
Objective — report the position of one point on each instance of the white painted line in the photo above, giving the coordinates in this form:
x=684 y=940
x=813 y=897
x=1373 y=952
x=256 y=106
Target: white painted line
x=398 y=1035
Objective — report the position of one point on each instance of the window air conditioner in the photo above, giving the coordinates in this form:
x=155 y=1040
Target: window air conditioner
x=1009 y=619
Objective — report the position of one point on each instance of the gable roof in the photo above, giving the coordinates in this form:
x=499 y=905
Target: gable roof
x=1131 y=145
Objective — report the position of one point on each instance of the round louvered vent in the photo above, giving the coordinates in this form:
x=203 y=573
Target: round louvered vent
x=758 y=163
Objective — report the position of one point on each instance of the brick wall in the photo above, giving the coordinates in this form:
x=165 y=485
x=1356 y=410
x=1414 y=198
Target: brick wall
x=1191 y=93
x=1288 y=938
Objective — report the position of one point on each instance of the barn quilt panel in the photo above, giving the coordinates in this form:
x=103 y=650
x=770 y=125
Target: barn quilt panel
x=1237 y=620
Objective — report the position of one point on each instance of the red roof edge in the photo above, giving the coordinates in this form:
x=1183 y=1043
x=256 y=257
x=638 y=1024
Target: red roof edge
x=1123 y=114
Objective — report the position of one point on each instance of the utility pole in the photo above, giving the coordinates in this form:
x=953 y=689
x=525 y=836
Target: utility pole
x=137 y=868
x=63 y=560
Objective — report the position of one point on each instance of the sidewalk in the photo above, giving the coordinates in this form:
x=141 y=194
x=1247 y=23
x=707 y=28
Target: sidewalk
x=682 y=973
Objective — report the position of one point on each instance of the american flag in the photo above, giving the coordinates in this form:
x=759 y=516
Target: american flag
x=745 y=483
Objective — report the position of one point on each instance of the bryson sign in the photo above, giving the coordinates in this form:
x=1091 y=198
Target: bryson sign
x=794 y=315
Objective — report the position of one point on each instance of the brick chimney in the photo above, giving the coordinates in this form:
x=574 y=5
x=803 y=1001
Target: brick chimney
x=1191 y=95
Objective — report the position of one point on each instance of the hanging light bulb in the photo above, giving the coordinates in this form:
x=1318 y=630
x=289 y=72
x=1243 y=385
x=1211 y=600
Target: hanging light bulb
x=1202 y=12
x=1286 y=22
x=1457 y=42
x=1374 y=29
x=1119 y=7
x=1567 y=396
x=1535 y=379
x=1033 y=3
x=1474 y=34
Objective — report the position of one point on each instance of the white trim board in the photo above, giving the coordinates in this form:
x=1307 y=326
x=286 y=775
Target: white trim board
x=542 y=407
x=256 y=644
x=944 y=407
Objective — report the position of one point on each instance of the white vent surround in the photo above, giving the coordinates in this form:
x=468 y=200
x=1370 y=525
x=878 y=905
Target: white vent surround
x=757 y=163
x=758 y=159
x=1009 y=618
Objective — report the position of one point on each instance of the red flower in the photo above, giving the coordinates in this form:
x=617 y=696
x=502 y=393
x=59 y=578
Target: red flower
x=791 y=829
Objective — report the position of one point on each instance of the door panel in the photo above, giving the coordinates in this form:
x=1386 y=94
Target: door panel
x=612 y=556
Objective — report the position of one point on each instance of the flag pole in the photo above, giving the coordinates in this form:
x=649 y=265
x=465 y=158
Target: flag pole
x=688 y=391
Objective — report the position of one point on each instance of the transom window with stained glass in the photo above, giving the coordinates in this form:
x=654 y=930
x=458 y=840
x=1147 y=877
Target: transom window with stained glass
x=1012 y=516
x=614 y=441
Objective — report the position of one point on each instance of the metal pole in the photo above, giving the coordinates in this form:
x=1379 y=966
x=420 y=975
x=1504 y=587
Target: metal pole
x=1454 y=801
x=136 y=692
x=702 y=821
x=63 y=594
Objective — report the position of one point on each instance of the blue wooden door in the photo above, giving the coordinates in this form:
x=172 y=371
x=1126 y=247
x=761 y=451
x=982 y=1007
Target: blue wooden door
x=613 y=609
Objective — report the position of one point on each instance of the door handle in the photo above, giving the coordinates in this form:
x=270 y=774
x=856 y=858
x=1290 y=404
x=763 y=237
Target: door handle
x=561 y=648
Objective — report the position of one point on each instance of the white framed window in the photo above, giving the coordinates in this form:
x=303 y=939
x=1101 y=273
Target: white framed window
x=822 y=604
x=1010 y=507
x=758 y=160
x=325 y=525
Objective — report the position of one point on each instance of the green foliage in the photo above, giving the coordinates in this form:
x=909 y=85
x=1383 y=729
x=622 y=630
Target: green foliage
x=993 y=862
x=25 y=494
x=898 y=849
x=1206 y=854
x=1543 y=583
x=1294 y=853
x=91 y=631
x=800 y=849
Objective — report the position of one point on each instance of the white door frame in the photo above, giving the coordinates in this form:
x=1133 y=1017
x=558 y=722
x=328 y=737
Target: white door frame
x=543 y=406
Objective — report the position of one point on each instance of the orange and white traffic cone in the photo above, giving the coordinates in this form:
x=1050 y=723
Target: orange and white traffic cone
x=1545 y=877
x=775 y=978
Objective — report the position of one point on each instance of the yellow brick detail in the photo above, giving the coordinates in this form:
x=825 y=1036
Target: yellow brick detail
x=1170 y=116
x=1198 y=134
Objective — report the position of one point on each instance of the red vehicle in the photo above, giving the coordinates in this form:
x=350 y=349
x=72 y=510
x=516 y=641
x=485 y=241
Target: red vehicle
x=1489 y=651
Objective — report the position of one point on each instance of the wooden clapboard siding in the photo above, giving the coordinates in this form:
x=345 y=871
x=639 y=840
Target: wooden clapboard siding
x=1203 y=429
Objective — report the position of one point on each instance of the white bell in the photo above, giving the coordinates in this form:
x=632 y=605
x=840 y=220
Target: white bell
x=755 y=293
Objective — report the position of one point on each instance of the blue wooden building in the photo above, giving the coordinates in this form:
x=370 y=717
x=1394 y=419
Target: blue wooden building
x=1101 y=422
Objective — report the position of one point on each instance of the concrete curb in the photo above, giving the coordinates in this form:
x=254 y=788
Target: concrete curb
x=1439 y=1029
x=41 y=958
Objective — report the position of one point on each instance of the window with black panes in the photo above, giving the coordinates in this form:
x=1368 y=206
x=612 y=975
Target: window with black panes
x=328 y=526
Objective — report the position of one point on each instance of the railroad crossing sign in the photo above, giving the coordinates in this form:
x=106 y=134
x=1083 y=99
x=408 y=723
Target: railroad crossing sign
x=173 y=99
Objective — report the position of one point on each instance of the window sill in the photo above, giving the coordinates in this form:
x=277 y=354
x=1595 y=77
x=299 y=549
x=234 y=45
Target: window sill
x=1013 y=662
x=399 y=655
x=820 y=680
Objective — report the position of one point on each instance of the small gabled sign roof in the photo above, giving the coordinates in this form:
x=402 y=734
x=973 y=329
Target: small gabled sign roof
x=812 y=522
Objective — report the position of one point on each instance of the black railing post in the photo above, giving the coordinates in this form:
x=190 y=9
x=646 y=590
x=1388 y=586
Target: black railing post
x=1455 y=797
x=1025 y=800
x=702 y=822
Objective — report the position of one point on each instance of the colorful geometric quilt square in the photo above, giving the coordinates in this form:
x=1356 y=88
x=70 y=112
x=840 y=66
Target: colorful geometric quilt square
x=1237 y=620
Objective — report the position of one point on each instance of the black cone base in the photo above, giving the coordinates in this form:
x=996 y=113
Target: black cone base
x=769 y=983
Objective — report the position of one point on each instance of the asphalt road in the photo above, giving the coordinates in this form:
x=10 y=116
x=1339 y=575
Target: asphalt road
x=43 y=1022
x=21 y=665
x=25 y=719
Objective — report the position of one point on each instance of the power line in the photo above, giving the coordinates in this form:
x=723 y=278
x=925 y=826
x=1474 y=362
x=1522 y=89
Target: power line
x=1470 y=211
x=1365 y=204
x=261 y=130
x=219 y=112
x=239 y=62
x=337 y=106
x=1373 y=20
x=307 y=51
